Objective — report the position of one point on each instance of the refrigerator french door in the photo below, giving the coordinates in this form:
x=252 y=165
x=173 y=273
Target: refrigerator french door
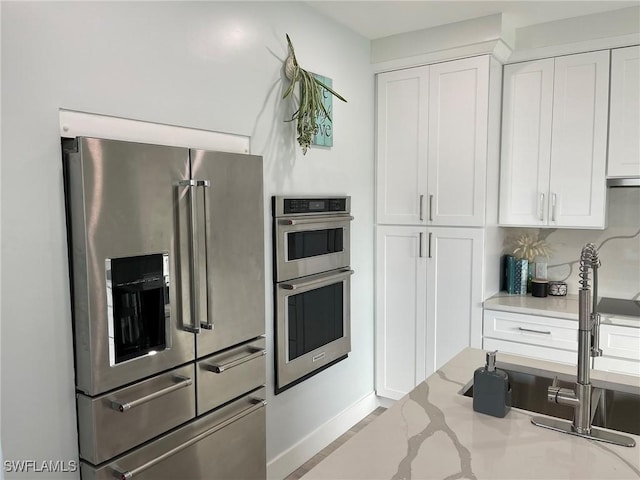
x=166 y=251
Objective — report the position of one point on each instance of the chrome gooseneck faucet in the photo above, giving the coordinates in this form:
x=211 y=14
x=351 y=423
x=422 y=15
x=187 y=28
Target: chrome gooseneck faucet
x=584 y=398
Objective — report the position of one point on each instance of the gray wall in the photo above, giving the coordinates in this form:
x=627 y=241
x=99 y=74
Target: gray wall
x=207 y=65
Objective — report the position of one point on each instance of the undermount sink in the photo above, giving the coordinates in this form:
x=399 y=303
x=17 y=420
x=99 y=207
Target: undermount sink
x=616 y=410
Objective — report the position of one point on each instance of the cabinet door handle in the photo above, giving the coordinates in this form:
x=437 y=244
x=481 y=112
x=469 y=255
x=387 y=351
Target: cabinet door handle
x=430 y=236
x=541 y=207
x=554 y=203
x=421 y=207
x=431 y=208
x=420 y=255
x=530 y=330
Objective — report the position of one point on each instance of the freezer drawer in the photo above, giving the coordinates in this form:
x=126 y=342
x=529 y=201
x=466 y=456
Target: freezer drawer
x=226 y=444
x=118 y=421
x=230 y=374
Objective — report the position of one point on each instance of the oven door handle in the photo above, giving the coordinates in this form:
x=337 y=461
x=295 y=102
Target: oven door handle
x=257 y=404
x=312 y=220
x=324 y=279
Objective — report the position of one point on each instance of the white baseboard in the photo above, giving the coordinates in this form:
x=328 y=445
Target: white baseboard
x=289 y=460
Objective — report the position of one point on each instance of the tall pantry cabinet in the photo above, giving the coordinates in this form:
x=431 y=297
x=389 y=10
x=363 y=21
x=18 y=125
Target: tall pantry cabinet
x=431 y=191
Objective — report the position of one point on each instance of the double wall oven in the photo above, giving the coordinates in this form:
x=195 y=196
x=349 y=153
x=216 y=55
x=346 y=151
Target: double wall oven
x=312 y=285
x=168 y=310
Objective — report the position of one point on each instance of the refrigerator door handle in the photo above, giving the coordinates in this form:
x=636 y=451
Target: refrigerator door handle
x=181 y=382
x=194 y=298
x=206 y=184
x=130 y=474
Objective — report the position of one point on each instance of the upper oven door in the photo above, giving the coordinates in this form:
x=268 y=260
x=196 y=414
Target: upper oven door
x=308 y=245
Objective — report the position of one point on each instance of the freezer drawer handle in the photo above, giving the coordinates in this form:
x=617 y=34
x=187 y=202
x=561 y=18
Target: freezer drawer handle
x=219 y=368
x=129 y=474
x=306 y=221
x=124 y=406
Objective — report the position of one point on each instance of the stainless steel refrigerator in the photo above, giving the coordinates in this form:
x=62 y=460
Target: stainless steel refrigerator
x=166 y=255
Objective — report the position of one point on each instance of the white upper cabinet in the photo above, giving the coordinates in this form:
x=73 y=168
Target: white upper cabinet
x=432 y=144
x=554 y=142
x=526 y=142
x=458 y=109
x=624 y=120
x=402 y=145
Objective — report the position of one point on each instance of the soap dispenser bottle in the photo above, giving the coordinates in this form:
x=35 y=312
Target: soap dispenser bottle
x=491 y=389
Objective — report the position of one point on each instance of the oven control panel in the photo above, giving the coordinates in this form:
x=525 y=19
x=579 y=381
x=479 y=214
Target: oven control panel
x=310 y=205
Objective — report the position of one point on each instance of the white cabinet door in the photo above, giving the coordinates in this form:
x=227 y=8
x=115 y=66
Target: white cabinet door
x=554 y=142
x=577 y=186
x=458 y=109
x=526 y=142
x=401 y=176
x=624 y=120
x=428 y=301
x=454 y=293
x=620 y=349
x=400 y=309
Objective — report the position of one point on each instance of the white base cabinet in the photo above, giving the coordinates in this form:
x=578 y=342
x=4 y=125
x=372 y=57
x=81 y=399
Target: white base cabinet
x=546 y=338
x=428 y=301
x=620 y=349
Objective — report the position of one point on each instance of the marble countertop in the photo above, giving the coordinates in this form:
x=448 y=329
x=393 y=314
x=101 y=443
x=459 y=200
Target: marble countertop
x=550 y=306
x=433 y=433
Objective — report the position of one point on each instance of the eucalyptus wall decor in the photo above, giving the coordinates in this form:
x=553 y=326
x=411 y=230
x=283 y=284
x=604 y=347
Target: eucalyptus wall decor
x=311 y=108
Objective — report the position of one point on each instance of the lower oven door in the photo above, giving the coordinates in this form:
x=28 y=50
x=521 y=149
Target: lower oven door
x=228 y=443
x=313 y=327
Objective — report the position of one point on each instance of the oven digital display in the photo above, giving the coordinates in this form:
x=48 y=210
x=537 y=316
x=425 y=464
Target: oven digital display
x=314 y=205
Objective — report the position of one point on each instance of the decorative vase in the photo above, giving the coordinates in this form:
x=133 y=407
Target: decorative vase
x=289 y=67
x=530 y=275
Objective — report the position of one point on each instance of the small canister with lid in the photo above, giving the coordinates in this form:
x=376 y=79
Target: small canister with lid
x=557 y=289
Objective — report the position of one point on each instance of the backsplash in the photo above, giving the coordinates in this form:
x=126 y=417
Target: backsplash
x=618 y=247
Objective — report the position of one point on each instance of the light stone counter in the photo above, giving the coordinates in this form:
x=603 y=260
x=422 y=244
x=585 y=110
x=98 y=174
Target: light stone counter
x=433 y=433
x=550 y=306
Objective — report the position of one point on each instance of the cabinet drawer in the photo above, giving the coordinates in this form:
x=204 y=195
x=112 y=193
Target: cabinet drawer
x=229 y=374
x=532 y=330
x=117 y=421
x=617 y=365
x=621 y=342
x=533 y=351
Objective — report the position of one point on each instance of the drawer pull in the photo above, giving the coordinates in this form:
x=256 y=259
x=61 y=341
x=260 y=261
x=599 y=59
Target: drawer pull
x=129 y=474
x=124 y=406
x=543 y=332
x=219 y=368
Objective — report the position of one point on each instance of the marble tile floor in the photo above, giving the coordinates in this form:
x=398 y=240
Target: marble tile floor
x=315 y=460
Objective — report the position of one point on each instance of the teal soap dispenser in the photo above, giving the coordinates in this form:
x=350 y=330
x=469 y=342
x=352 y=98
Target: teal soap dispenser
x=491 y=389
